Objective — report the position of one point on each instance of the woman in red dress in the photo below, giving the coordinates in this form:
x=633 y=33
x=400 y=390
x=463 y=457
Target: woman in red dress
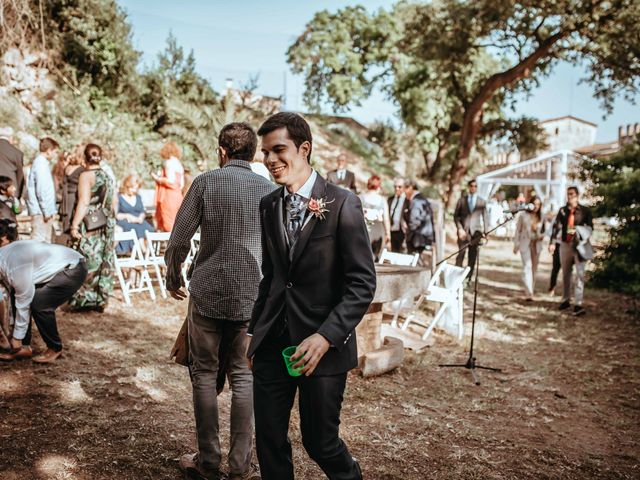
x=169 y=186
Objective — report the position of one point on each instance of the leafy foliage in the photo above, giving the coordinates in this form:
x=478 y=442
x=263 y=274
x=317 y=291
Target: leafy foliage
x=91 y=39
x=453 y=67
x=615 y=184
x=171 y=81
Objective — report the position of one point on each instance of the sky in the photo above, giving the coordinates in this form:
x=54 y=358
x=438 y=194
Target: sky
x=239 y=38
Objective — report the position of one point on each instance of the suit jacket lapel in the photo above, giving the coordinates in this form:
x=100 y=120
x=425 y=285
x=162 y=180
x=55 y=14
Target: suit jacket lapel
x=278 y=227
x=318 y=191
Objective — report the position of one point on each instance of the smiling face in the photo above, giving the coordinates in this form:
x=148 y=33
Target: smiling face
x=287 y=163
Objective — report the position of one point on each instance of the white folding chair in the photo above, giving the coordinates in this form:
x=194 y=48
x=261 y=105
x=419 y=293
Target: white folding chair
x=133 y=261
x=398 y=258
x=156 y=246
x=195 y=246
x=447 y=288
x=405 y=304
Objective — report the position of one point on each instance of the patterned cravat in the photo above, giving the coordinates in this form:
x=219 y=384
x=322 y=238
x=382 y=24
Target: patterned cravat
x=294 y=210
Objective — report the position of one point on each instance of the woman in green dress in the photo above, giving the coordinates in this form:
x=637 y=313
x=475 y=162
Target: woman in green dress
x=96 y=191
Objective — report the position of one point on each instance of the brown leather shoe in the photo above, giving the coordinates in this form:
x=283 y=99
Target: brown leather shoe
x=49 y=356
x=189 y=465
x=20 y=354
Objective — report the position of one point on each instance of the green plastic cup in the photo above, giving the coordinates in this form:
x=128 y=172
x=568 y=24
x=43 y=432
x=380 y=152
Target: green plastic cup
x=286 y=353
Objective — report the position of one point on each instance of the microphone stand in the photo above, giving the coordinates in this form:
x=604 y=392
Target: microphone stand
x=471 y=364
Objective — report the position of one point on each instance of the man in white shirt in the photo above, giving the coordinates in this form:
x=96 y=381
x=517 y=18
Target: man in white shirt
x=398 y=203
x=341 y=176
x=41 y=201
x=40 y=277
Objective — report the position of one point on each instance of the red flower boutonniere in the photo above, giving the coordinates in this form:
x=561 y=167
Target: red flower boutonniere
x=318 y=207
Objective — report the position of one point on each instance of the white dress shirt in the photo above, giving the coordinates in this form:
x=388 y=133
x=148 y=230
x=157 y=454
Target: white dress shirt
x=27 y=263
x=396 y=210
x=41 y=193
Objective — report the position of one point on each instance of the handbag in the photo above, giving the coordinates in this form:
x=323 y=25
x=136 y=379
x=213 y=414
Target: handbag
x=96 y=219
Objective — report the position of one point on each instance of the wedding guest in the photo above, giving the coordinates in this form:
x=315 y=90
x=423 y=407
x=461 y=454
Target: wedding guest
x=188 y=180
x=555 y=264
x=259 y=168
x=419 y=221
x=41 y=192
x=72 y=172
x=398 y=204
x=41 y=277
x=9 y=203
x=318 y=282
x=11 y=160
x=224 y=204
x=530 y=230
x=57 y=172
x=94 y=239
x=567 y=223
x=169 y=186
x=376 y=214
x=471 y=219
x=341 y=176
x=131 y=214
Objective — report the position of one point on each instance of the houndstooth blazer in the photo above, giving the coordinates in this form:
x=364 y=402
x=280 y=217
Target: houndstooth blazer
x=225 y=205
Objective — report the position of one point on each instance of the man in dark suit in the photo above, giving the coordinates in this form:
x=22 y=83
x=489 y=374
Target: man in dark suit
x=419 y=219
x=341 y=176
x=11 y=160
x=318 y=281
x=398 y=204
x=471 y=219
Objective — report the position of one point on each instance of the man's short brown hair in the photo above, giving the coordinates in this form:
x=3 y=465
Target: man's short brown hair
x=297 y=128
x=47 y=144
x=239 y=141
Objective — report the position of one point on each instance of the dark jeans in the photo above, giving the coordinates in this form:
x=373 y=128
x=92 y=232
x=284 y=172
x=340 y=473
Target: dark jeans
x=473 y=252
x=556 y=267
x=48 y=297
x=320 y=401
x=397 y=239
x=205 y=337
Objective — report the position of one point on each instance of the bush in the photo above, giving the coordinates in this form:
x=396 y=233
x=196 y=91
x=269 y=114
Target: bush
x=615 y=184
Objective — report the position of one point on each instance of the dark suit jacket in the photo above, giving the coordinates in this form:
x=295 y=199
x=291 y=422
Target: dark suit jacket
x=348 y=182
x=404 y=207
x=11 y=165
x=471 y=222
x=419 y=220
x=325 y=285
x=582 y=216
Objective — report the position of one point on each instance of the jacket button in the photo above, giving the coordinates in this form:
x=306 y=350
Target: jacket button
x=289 y=285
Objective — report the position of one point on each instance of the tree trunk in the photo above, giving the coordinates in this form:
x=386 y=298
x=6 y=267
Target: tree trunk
x=443 y=148
x=473 y=112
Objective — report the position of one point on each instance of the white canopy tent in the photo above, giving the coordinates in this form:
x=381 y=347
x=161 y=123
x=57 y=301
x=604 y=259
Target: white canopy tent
x=549 y=174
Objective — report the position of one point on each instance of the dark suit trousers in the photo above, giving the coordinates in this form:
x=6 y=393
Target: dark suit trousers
x=48 y=297
x=473 y=252
x=397 y=238
x=556 y=267
x=320 y=400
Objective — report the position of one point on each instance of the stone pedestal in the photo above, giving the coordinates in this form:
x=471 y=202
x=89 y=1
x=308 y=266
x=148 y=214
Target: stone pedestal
x=393 y=283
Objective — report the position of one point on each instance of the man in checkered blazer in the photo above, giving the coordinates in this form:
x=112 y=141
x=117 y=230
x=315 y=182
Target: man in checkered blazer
x=224 y=204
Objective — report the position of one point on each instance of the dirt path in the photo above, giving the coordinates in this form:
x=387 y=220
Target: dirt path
x=567 y=405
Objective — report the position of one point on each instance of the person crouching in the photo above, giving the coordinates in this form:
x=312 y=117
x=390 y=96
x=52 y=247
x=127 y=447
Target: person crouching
x=41 y=277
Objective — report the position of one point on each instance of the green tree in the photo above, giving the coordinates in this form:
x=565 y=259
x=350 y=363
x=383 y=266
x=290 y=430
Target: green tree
x=173 y=80
x=91 y=40
x=615 y=184
x=453 y=66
